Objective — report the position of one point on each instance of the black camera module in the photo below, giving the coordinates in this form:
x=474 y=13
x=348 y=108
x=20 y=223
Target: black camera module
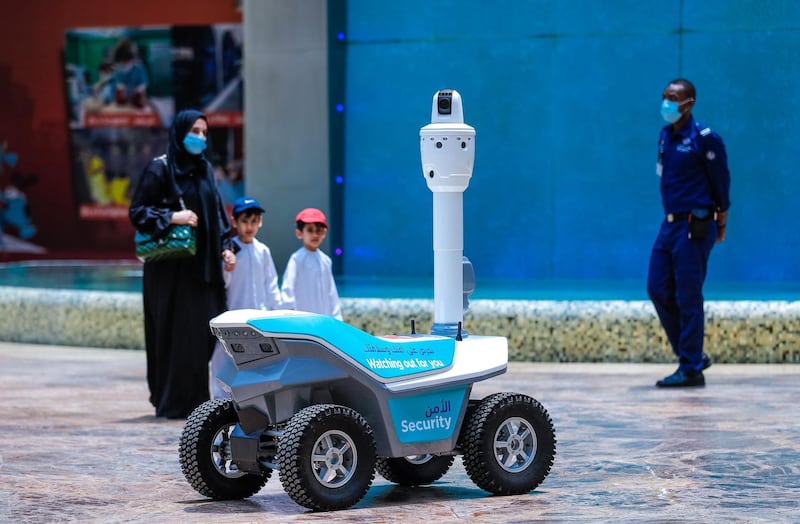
x=444 y=103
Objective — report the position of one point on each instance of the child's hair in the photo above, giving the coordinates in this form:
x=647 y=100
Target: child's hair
x=302 y=225
x=247 y=213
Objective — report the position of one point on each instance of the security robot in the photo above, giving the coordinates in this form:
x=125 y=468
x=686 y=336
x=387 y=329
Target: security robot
x=328 y=405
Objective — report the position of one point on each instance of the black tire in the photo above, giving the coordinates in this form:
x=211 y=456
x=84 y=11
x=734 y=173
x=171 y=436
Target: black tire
x=509 y=444
x=326 y=457
x=205 y=454
x=415 y=470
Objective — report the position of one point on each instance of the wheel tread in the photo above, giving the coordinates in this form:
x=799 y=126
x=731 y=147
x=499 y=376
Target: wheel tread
x=289 y=460
x=479 y=462
x=191 y=451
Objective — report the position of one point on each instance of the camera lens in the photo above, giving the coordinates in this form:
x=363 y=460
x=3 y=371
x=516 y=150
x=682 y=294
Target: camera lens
x=444 y=104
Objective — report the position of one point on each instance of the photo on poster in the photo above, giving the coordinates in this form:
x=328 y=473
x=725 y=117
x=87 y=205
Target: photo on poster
x=119 y=77
x=109 y=161
x=124 y=87
x=225 y=147
x=108 y=164
x=207 y=69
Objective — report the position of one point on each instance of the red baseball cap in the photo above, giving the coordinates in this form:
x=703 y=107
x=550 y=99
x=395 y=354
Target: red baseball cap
x=311 y=215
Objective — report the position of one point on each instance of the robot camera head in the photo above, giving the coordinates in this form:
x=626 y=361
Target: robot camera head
x=447 y=107
x=447 y=145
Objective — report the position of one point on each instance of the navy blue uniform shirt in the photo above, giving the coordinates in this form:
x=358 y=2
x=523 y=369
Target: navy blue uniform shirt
x=694 y=169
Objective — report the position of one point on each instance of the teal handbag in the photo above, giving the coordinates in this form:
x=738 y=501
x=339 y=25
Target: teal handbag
x=177 y=242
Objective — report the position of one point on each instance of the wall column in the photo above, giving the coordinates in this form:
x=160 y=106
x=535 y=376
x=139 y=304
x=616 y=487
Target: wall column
x=286 y=135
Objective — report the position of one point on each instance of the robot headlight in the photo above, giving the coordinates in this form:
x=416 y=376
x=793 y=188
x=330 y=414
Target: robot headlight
x=236 y=332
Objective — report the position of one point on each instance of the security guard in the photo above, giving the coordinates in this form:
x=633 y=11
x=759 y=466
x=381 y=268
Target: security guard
x=695 y=184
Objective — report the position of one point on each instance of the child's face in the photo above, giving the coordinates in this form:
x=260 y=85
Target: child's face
x=312 y=235
x=247 y=226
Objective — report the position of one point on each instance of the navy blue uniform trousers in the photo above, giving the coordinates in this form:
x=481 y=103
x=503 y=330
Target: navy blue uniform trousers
x=675 y=285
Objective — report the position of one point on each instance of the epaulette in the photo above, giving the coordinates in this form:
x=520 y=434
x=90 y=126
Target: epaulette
x=705 y=131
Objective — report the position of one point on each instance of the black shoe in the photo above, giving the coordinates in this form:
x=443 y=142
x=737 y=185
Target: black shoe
x=681 y=379
x=706 y=361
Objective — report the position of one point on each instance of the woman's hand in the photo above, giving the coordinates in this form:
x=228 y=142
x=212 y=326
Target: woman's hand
x=186 y=216
x=229 y=258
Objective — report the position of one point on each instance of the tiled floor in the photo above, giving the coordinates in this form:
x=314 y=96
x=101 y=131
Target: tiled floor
x=80 y=443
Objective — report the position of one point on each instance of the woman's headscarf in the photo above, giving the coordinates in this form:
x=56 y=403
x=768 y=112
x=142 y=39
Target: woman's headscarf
x=214 y=222
x=179 y=159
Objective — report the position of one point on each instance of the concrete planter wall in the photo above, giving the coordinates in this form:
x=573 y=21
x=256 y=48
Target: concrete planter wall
x=537 y=330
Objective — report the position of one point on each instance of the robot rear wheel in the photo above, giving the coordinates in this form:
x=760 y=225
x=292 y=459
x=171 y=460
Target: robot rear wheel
x=415 y=470
x=205 y=454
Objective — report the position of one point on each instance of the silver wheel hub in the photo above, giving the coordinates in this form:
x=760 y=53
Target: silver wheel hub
x=515 y=444
x=334 y=459
x=419 y=459
x=221 y=453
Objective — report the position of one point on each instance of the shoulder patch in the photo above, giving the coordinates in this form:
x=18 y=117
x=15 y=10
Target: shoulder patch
x=705 y=131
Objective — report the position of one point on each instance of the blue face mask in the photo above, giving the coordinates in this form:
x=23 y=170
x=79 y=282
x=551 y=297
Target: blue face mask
x=671 y=111
x=194 y=144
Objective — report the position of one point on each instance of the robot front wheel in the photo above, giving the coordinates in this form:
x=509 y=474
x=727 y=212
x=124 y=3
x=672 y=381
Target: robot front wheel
x=509 y=444
x=205 y=454
x=326 y=457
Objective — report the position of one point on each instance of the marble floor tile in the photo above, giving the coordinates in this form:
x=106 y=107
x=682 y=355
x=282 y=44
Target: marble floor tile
x=80 y=443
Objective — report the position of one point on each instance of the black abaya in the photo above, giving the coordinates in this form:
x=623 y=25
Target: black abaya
x=181 y=296
x=177 y=308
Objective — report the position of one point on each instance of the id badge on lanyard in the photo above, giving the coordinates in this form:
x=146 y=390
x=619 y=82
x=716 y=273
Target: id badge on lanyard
x=662 y=141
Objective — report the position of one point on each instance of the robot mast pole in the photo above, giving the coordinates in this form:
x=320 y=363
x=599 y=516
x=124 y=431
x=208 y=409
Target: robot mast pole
x=448 y=251
x=447 y=148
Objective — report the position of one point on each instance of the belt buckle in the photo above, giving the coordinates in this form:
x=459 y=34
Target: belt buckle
x=670 y=217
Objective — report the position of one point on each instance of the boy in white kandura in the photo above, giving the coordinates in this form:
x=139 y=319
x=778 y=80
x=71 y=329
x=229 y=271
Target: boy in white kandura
x=308 y=283
x=254 y=282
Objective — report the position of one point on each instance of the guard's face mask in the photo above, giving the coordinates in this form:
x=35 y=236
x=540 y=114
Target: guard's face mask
x=671 y=111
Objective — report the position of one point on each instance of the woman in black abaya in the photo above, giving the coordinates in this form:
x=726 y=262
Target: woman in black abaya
x=181 y=296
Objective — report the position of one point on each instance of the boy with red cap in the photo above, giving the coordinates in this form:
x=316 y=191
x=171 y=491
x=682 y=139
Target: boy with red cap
x=308 y=283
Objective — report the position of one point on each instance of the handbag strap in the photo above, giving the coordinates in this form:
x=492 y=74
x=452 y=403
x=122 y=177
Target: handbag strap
x=171 y=177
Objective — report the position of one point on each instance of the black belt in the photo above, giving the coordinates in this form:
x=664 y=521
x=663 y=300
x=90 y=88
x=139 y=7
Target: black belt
x=675 y=217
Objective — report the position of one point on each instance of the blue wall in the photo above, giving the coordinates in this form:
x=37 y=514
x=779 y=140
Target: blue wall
x=564 y=96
